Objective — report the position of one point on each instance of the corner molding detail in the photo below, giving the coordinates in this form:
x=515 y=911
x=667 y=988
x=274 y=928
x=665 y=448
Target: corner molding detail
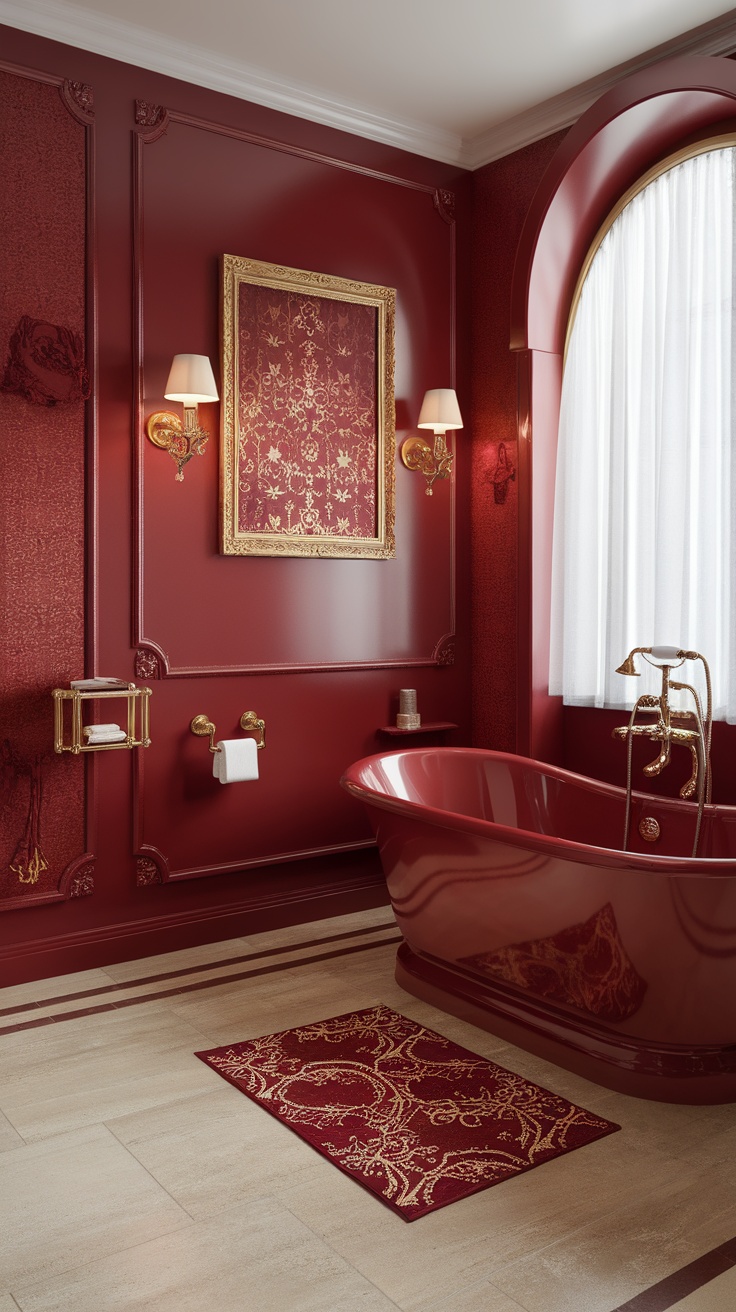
x=444 y=203
x=78 y=879
x=83 y=883
x=147 y=872
x=150 y=663
x=444 y=652
x=79 y=99
x=154 y=119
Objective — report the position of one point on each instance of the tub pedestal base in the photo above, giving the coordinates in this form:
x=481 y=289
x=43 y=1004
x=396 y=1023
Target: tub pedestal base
x=662 y=1072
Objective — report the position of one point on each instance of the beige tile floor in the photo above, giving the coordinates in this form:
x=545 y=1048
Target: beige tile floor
x=133 y=1177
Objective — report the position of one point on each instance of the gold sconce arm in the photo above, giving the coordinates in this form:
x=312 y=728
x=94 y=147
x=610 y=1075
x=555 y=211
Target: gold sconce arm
x=182 y=441
x=416 y=454
x=190 y=381
x=440 y=412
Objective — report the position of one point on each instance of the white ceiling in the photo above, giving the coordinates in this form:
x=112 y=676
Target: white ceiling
x=462 y=81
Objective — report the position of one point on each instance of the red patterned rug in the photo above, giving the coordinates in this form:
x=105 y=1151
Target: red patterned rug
x=416 y=1119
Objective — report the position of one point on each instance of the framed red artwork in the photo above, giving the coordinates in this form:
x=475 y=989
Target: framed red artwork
x=308 y=413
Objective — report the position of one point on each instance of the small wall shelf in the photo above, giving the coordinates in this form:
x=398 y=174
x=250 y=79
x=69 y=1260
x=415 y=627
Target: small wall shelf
x=135 y=697
x=439 y=726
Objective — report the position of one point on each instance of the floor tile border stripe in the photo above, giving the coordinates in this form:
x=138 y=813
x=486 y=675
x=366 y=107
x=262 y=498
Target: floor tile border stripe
x=670 y=1291
x=23 y=1007
x=39 y=1021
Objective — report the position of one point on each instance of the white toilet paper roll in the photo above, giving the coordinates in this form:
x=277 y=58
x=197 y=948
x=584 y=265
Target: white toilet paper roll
x=236 y=760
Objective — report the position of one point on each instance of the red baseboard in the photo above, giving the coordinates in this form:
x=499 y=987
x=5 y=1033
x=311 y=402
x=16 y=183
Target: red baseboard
x=105 y=944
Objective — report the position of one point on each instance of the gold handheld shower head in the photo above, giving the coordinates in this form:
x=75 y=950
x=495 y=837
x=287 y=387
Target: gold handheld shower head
x=627 y=667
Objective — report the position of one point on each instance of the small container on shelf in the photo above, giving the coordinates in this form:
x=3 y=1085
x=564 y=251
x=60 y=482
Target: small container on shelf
x=100 y=737
x=436 y=726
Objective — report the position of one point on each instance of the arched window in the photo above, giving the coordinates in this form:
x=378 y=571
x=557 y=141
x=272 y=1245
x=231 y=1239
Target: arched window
x=645 y=503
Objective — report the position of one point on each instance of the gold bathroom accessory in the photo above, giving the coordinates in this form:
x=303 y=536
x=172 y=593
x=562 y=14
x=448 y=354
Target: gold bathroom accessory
x=440 y=412
x=190 y=381
x=134 y=736
x=249 y=723
x=691 y=729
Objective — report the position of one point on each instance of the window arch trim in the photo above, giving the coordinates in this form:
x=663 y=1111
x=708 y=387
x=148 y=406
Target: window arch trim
x=643 y=119
x=724 y=141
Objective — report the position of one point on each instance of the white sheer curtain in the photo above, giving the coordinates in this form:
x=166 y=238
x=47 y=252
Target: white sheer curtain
x=645 y=505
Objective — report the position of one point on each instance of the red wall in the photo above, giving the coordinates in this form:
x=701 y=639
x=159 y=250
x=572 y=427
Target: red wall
x=318 y=648
x=502 y=194
x=535 y=215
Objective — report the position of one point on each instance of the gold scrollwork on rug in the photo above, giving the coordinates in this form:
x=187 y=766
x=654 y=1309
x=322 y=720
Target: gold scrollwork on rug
x=413 y=1116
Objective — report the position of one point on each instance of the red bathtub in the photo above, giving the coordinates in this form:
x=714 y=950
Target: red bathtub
x=521 y=913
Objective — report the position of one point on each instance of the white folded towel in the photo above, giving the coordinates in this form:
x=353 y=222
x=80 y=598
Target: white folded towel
x=90 y=729
x=109 y=736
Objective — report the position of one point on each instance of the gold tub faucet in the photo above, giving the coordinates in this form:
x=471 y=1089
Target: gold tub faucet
x=689 y=728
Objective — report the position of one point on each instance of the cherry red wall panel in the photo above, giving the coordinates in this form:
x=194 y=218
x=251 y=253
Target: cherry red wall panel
x=502 y=193
x=203 y=192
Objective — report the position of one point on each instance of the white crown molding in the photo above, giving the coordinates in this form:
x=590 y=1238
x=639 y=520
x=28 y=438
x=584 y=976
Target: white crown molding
x=715 y=38
x=66 y=22
x=113 y=37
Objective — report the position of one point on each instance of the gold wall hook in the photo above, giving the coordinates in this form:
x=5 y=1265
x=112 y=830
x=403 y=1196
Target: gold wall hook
x=204 y=727
x=250 y=723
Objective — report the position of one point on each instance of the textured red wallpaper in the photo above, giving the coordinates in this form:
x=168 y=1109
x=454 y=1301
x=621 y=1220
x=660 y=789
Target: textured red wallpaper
x=42 y=482
x=502 y=193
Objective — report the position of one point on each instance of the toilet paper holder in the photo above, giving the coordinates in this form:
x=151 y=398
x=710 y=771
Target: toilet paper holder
x=249 y=723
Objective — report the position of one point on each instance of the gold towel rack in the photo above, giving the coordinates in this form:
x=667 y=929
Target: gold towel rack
x=249 y=723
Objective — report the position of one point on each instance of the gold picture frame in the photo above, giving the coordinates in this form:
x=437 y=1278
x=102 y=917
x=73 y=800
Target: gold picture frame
x=308 y=420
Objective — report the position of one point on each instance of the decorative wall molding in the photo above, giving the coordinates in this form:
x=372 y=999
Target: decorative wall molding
x=151 y=869
x=148 y=115
x=444 y=652
x=153 y=119
x=79 y=99
x=77 y=880
x=118 y=39
x=151 y=661
x=279 y=859
x=444 y=203
x=82 y=883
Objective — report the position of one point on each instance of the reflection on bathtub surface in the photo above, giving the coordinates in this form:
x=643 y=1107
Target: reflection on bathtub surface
x=584 y=965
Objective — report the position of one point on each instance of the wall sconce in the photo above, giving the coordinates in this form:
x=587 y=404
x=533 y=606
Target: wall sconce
x=190 y=381
x=440 y=412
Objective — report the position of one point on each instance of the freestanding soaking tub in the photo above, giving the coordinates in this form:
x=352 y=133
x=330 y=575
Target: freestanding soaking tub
x=521 y=913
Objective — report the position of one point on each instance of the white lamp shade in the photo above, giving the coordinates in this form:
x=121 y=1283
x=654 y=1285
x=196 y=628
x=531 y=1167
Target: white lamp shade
x=191 y=380
x=440 y=410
